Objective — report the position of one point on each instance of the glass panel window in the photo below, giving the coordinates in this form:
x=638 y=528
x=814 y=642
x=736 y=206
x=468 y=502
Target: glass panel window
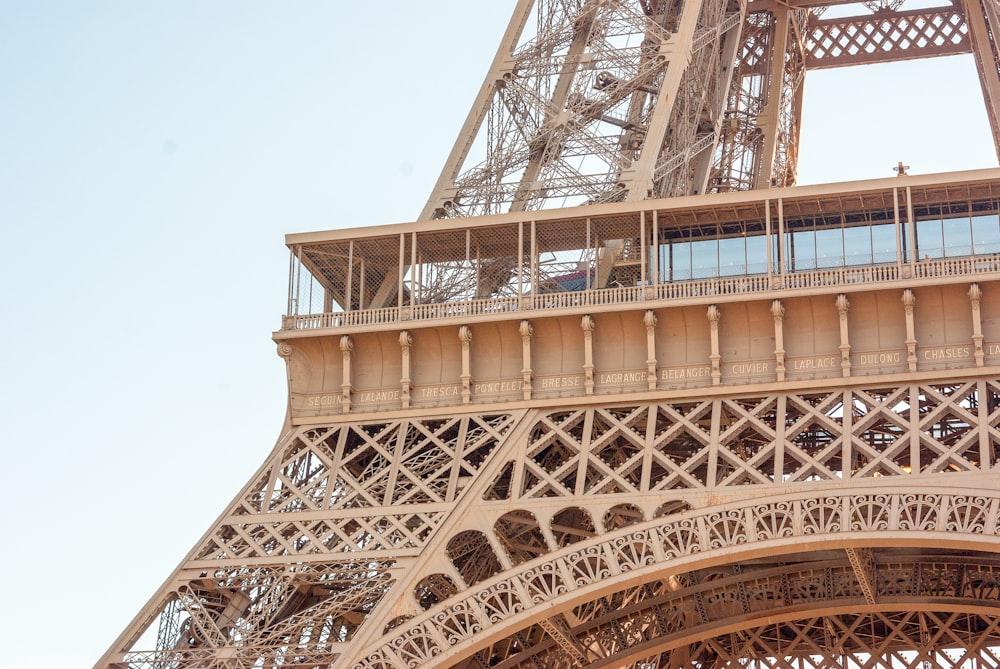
x=986 y=233
x=929 y=241
x=803 y=251
x=680 y=261
x=705 y=258
x=957 y=236
x=858 y=246
x=883 y=243
x=829 y=247
x=732 y=256
x=756 y=254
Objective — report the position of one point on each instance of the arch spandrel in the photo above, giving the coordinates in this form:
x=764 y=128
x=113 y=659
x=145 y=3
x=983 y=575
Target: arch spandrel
x=804 y=538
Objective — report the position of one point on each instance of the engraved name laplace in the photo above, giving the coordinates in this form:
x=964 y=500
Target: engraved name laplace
x=810 y=364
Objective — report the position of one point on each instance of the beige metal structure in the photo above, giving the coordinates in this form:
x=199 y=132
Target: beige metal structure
x=758 y=427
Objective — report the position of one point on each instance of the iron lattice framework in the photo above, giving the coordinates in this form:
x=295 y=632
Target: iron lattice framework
x=606 y=100
x=552 y=440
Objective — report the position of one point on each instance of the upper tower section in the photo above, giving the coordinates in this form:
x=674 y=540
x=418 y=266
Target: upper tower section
x=597 y=101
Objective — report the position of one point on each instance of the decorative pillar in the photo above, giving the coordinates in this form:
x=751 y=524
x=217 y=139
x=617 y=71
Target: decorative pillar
x=465 y=336
x=526 y=373
x=406 y=383
x=347 y=351
x=909 y=299
x=587 y=324
x=714 y=316
x=976 y=297
x=843 y=304
x=649 y=320
x=778 y=312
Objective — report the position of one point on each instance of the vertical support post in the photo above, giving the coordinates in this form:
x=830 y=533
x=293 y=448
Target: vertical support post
x=778 y=312
x=781 y=243
x=534 y=262
x=520 y=263
x=779 y=438
x=592 y=267
x=769 y=120
x=983 y=412
x=413 y=269
x=713 y=319
x=349 y=293
x=587 y=325
x=406 y=383
x=983 y=21
x=976 y=298
x=347 y=386
x=769 y=243
x=526 y=373
x=914 y=429
x=649 y=320
x=911 y=225
x=656 y=248
x=899 y=230
x=846 y=445
x=843 y=305
x=642 y=250
x=909 y=300
x=465 y=336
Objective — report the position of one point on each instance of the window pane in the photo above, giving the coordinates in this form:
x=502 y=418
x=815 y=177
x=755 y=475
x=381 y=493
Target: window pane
x=858 y=246
x=705 y=258
x=929 y=242
x=757 y=254
x=830 y=247
x=986 y=233
x=803 y=251
x=732 y=256
x=957 y=236
x=681 y=259
x=884 y=243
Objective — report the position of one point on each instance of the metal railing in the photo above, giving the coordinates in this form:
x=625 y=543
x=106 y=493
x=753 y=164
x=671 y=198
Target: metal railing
x=696 y=288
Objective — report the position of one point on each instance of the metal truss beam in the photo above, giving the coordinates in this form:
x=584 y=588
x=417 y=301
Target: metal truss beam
x=886 y=37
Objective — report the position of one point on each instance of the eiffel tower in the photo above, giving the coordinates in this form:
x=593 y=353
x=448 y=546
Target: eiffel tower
x=625 y=395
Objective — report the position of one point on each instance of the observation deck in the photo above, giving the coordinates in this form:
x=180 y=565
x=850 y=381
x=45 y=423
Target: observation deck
x=805 y=285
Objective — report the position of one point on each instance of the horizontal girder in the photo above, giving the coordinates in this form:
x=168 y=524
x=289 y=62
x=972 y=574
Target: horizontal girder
x=886 y=37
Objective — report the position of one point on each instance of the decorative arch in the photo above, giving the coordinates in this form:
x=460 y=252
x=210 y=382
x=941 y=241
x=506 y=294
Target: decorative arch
x=670 y=547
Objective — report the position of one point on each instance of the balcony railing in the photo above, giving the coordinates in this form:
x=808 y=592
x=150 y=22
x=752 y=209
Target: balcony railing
x=691 y=289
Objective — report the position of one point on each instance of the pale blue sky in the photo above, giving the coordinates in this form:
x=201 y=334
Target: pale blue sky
x=152 y=156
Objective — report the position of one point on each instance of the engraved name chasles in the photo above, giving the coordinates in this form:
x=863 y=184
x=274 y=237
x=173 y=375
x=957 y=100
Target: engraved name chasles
x=947 y=353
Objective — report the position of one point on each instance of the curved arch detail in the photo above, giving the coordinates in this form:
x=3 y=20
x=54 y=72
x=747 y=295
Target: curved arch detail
x=679 y=543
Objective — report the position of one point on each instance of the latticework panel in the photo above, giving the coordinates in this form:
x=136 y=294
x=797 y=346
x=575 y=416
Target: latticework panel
x=311 y=547
x=887 y=36
x=691 y=447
